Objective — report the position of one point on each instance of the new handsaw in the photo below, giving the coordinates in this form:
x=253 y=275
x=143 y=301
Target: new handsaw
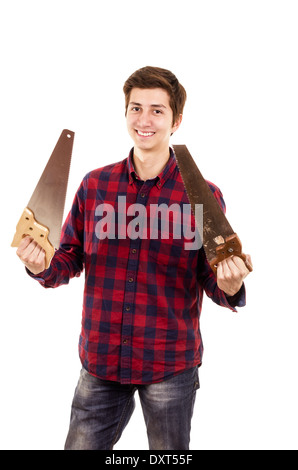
x=42 y=218
x=219 y=239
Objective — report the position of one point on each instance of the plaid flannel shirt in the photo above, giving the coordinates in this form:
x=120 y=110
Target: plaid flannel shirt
x=143 y=294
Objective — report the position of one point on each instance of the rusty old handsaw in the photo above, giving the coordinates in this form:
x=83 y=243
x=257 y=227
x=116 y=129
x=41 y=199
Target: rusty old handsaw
x=42 y=218
x=219 y=239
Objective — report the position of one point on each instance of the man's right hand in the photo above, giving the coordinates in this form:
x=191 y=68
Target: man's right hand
x=32 y=255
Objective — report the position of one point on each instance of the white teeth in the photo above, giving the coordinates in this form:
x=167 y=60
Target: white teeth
x=145 y=134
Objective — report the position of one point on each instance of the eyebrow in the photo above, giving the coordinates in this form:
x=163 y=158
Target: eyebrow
x=152 y=105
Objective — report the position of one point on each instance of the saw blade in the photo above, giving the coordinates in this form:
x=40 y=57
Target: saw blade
x=48 y=199
x=219 y=239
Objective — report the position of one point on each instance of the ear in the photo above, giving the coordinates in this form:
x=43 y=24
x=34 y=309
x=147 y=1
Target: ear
x=177 y=124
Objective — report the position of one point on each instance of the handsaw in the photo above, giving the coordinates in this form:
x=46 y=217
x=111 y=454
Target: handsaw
x=219 y=239
x=42 y=218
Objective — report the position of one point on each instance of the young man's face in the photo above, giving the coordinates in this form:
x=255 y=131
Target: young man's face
x=150 y=119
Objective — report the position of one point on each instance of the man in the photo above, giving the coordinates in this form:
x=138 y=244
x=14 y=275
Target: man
x=143 y=290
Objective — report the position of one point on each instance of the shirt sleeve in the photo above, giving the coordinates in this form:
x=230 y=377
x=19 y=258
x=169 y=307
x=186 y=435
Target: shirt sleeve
x=68 y=260
x=207 y=279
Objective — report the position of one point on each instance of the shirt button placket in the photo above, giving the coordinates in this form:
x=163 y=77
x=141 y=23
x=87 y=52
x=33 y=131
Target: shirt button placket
x=129 y=298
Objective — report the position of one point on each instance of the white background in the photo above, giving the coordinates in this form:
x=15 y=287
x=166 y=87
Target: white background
x=63 y=65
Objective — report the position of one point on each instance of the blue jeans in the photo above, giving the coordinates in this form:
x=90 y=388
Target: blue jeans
x=101 y=409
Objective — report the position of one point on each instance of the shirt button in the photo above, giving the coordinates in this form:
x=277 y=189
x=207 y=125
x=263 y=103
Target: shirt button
x=127 y=308
x=133 y=250
x=125 y=341
x=143 y=195
x=130 y=279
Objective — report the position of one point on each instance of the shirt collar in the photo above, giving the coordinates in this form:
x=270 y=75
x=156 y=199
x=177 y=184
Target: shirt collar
x=161 y=178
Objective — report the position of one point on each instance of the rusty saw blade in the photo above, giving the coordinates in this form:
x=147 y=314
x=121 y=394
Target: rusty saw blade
x=42 y=218
x=219 y=239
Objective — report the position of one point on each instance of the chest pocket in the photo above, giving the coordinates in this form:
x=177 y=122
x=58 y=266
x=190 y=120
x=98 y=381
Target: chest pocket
x=169 y=252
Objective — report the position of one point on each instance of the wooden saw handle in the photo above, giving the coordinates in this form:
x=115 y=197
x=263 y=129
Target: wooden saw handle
x=27 y=225
x=232 y=246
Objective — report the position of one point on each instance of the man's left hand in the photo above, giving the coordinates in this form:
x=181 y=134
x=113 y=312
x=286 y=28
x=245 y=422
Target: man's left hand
x=231 y=273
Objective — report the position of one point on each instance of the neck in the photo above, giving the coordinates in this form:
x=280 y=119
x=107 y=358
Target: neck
x=149 y=164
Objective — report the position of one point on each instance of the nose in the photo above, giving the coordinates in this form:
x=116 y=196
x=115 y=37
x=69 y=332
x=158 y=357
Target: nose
x=144 y=119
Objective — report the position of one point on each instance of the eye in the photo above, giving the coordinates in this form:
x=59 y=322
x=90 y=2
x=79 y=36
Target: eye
x=135 y=108
x=157 y=111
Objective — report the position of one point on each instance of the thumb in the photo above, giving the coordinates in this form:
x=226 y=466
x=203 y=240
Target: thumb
x=248 y=262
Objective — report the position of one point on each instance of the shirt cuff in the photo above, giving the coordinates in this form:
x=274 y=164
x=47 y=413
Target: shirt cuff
x=238 y=299
x=41 y=277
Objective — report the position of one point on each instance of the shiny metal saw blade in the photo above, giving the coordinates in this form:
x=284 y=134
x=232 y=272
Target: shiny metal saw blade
x=48 y=199
x=216 y=227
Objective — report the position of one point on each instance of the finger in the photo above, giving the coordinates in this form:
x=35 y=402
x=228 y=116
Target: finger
x=249 y=262
x=29 y=253
x=35 y=254
x=219 y=271
x=30 y=249
x=246 y=261
x=231 y=269
x=41 y=256
x=241 y=266
x=37 y=257
x=225 y=272
x=25 y=242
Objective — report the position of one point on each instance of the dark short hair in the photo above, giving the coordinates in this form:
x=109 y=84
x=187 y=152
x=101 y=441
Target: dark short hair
x=156 y=77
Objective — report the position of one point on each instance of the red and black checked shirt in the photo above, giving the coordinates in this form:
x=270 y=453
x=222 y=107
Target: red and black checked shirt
x=143 y=293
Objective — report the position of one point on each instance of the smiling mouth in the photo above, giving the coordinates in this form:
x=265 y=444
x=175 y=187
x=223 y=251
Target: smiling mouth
x=145 y=134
